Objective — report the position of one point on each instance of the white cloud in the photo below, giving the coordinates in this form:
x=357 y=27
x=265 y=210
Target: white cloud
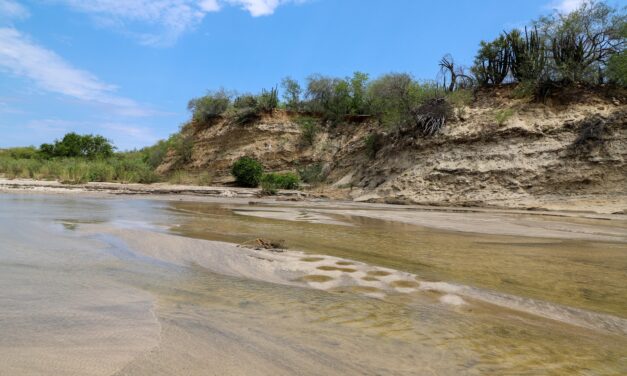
x=209 y=5
x=10 y=9
x=22 y=57
x=566 y=6
x=171 y=18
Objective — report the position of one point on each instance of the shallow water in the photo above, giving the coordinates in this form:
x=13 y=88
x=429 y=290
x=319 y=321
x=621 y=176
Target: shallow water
x=81 y=296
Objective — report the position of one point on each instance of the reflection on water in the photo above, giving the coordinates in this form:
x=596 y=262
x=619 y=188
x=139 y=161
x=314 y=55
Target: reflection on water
x=584 y=274
x=74 y=303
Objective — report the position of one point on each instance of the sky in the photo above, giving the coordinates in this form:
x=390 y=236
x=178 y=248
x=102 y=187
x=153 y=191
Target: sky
x=126 y=69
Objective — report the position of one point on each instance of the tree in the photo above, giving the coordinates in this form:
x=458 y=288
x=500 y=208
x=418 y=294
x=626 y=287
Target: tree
x=583 y=42
x=74 y=145
x=449 y=69
x=291 y=93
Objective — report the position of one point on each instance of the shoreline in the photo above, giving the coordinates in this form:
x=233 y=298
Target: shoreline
x=530 y=222
x=166 y=191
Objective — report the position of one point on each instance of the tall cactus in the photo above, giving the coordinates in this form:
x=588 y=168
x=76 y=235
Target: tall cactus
x=493 y=62
x=569 y=54
x=528 y=55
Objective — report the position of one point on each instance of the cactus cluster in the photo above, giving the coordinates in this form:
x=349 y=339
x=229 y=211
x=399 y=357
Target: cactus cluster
x=493 y=62
x=528 y=54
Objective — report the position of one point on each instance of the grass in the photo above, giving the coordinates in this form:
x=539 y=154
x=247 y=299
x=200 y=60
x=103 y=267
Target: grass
x=502 y=116
x=127 y=168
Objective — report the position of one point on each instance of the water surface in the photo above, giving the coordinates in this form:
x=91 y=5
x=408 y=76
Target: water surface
x=82 y=295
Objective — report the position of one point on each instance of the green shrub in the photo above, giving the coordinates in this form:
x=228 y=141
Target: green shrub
x=617 y=68
x=373 y=143
x=208 y=108
x=245 y=101
x=247 y=172
x=272 y=182
x=244 y=116
x=268 y=101
x=309 y=130
x=502 y=116
x=101 y=172
x=312 y=173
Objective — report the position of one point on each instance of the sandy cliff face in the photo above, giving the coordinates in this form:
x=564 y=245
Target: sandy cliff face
x=551 y=155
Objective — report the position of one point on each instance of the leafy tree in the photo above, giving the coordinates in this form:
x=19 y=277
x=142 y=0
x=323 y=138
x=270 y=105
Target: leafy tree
x=291 y=93
x=82 y=146
x=583 y=42
x=358 y=88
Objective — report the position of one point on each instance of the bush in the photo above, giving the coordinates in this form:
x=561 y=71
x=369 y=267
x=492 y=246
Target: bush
x=247 y=172
x=312 y=173
x=208 y=108
x=244 y=116
x=373 y=143
x=245 y=101
x=268 y=101
x=272 y=182
x=309 y=130
x=617 y=69
x=502 y=116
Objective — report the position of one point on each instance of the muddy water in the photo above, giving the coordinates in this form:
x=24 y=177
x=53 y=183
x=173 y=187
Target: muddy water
x=90 y=287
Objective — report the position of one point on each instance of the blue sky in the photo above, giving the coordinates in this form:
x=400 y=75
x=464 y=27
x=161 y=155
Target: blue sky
x=126 y=68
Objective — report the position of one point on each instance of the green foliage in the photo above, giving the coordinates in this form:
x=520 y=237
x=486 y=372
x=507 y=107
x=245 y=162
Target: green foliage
x=525 y=89
x=460 y=98
x=244 y=116
x=268 y=101
x=493 y=61
x=617 y=68
x=309 y=130
x=291 y=93
x=528 y=55
x=400 y=101
x=210 y=107
x=28 y=152
x=272 y=182
x=247 y=172
x=183 y=145
x=125 y=168
x=336 y=98
x=154 y=155
x=373 y=143
x=312 y=173
x=245 y=101
x=74 y=145
x=502 y=116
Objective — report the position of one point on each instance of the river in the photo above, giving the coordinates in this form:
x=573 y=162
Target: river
x=130 y=286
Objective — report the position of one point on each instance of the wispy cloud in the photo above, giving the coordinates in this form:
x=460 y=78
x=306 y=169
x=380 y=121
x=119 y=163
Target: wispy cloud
x=565 y=6
x=11 y=10
x=24 y=58
x=162 y=22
